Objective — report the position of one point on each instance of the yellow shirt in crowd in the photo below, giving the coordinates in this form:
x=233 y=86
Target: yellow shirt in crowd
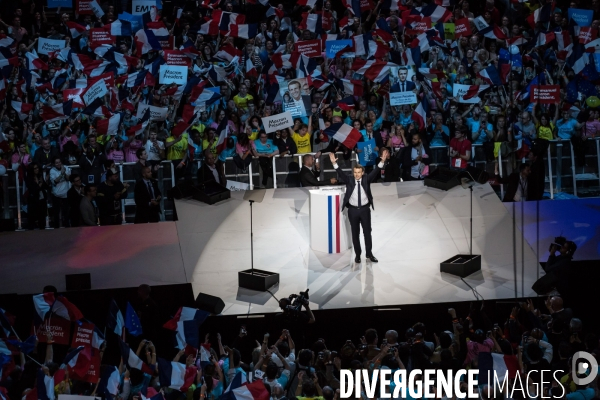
x=302 y=142
x=177 y=151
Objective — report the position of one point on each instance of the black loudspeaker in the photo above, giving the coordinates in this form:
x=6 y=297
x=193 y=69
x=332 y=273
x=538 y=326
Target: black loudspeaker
x=545 y=284
x=462 y=265
x=442 y=178
x=479 y=175
x=210 y=193
x=212 y=304
x=78 y=282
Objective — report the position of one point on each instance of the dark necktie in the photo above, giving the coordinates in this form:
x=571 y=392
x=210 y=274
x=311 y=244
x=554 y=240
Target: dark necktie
x=403 y=86
x=358 y=183
x=150 y=191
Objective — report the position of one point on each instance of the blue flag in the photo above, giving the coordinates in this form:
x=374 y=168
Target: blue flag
x=132 y=322
x=27 y=346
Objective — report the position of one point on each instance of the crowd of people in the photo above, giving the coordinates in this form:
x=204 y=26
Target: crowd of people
x=285 y=364
x=98 y=86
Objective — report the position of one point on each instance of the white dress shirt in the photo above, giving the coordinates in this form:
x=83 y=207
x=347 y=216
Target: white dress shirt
x=364 y=200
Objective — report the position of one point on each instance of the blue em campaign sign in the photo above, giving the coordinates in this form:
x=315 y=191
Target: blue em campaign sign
x=581 y=17
x=367 y=155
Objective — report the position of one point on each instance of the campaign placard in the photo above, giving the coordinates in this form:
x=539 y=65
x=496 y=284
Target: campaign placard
x=401 y=98
x=60 y=328
x=93 y=373
x=99 y=36
x=545 y=94
x=84 y=7
x=310 y=48
x=177 y=57
x=581 y=17
x=462 y=27
x=98 y=89
x=173 y=74
x=139 y=7
x=278 y=122
x=136 y=20
x=45 y=46
x=83 y=335
x=332 y=47
x=459 y=91
x=449 y=29
x=296 y=97
x=108 y=77
x=367 y=155
x=156 y=113
x=59 y=3
x=587 y=34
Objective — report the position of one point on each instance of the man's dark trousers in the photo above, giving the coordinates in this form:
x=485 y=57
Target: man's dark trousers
x=360 y=216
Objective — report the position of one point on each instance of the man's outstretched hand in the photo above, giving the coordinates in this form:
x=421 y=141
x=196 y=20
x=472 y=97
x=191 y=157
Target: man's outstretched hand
x=385 y=155
x=333 y=158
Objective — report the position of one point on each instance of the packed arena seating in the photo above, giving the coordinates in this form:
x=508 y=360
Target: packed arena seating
x=91 y=86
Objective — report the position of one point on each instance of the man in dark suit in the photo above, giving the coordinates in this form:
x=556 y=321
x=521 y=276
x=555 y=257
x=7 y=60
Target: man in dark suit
x=358 y=199
x=147 y=198
x=310 y=172
x=404 y=84
x=211 y=170
x=517 y=189
x=45 y=155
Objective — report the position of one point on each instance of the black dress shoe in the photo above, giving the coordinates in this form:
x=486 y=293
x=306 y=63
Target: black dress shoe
x=357 y=259
x=372 y=258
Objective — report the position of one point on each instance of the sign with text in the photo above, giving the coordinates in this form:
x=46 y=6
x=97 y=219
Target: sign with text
x=401 y=98
x=418 y=27
x=278 y=122
x=449 y=29
x=545 y=94
x=462 y=27
x=367 y=155
x=93 y=373
x=366 y=5
x=173 y=74
x=236 y=186
x=177 y=57
x=60 y=3
x=83 y=335
x=459 y=91
x=581 y=17
x=96 y=9
x=98 y=89
x=167 y=42
x=75 y=95
x=138 y=7
x=587 y=34
x=84 y=7
x=99 y=36
x=333 y=46
x=156 y=113
x=310 y=48
x=60 y=328
x=136 y=20
x=45 y=46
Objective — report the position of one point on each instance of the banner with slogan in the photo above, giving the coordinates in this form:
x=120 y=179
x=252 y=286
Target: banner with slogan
x=75 y=95
x=418 y=27
x=84 y=7
x=167 y=42
x=278 y=122
x=95 y=91
x=333 y=46
x=177 y=57
x=462 y=27
x=366 y=5
x=59 y=3
x=459 y=91
x=545 y=94
x=310 y=48
x=93 y=373
x=99 y=36
x=138 y=7
x=156 y=113
x=83 y=335
x=173 y=74
x=60 y=328
x=581 y=17
x=401 y=98
x=45 y=46
x=449 y=29
x=367 y=155
x=587 y=34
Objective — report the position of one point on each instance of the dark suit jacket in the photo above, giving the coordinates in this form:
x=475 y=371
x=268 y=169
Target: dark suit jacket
x=40 y=156
x=205 y=174
x=308 y=178
x=144 y=211
x=513 y=181
x=365 y=182
x=407 y=162
x=409 y=85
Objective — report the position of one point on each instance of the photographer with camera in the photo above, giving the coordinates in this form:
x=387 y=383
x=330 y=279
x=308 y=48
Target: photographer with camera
x=559 y=265
x=292 y=309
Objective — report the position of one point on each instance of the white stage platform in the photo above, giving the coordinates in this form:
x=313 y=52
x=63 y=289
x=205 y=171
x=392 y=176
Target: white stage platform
x=414 y=229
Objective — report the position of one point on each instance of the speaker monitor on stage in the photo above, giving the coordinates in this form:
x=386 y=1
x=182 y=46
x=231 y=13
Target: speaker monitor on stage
x=442 y=178
x=212 y=304
x=209 y=193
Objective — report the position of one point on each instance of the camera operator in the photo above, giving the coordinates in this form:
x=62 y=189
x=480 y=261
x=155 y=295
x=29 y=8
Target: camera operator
x=292 y=309
x=559 y=265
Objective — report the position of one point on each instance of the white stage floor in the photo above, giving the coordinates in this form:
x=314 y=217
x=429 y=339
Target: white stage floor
x=414 y=229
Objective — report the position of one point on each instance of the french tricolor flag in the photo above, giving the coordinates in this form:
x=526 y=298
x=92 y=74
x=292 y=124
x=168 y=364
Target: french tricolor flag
x=223 y=132
x=132 y=360
x=204 y=355
x=6 y=41
x=78 y=361
x=244 y=31
x=353 y=87
x=544 y=38
x=109 y=382
x=109 y=126
x=45 y=386
x=187 y=320
x=46 y=302
x=146 y=40
x=34 y=62
x=150 y=16
x=420 y=114
x=436 y=13
x=345 y=104
x=248 y=391
x=119 y=28
x=22 y=109
x=542 y=14
x=141 y=126
x=516 y=40
x=344 y=133
x=373 y=70
x=200 y=94
x=75 y=29
x=491 y=75
x=500 y=365
x=172 y=374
